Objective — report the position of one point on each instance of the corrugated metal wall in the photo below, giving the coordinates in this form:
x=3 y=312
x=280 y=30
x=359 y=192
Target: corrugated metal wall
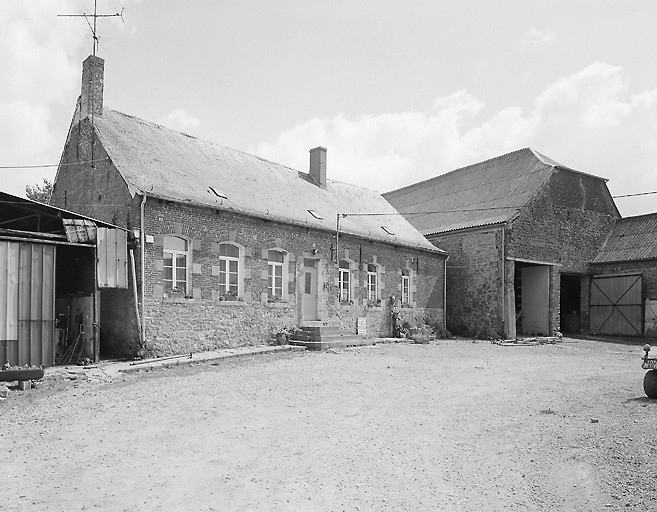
x=112 y=263
x=27 y=312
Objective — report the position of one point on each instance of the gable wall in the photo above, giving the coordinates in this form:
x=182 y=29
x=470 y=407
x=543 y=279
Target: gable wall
x=205 y=322
x=100 y=192
x=565 y=224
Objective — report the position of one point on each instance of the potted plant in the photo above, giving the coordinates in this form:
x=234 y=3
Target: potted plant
x=283 y=334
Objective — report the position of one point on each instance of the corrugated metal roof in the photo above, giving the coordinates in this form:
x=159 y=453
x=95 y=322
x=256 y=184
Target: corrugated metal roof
x=80 y=230
x=161 y=162
x=632 y=238
x=485 y=193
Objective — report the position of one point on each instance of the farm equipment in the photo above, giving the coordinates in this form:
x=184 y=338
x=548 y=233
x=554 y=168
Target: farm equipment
x=650 y=379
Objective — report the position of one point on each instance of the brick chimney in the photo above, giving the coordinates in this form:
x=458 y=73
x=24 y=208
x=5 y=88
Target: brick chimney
x=318 y=166
x=93 y=70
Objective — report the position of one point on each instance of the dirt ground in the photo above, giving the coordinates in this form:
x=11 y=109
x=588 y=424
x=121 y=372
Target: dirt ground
x=450 y=426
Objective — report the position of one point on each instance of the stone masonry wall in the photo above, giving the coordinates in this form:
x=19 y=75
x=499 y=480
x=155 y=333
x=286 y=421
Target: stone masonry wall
x=564 y=225
x=204 y=321
x=474 y=282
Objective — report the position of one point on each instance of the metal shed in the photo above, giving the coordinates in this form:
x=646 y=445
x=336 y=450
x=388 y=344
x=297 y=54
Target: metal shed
x=52 y=265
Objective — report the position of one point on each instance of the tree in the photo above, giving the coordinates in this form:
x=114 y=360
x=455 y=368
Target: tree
x=40 y=193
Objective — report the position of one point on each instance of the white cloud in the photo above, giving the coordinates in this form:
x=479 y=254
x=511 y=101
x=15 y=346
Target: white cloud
x=588 y=120
x=180 y=121
x=535 y=38
x=40 y=82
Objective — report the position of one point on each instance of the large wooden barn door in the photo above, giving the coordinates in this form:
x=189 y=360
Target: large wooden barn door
x=617 y=305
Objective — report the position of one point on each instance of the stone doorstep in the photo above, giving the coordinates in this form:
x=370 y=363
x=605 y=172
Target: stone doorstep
x=335 y=342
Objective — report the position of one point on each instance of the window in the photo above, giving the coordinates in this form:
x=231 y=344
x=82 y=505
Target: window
x=344 y=280
x=406 y=286
x=229 y=259
x=275 y=281
x=372 y=282
x=176 y=264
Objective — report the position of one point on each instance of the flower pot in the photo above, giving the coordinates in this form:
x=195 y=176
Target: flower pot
x=281 y=339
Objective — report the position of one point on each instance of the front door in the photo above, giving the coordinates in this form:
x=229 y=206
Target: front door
x=309 y=301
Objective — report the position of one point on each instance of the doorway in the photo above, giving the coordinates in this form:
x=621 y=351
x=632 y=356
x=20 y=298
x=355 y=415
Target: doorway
x=570 y=303
x=309 y=290
x=532 y=294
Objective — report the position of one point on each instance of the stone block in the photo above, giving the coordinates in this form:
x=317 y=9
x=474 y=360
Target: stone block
x=24 y=385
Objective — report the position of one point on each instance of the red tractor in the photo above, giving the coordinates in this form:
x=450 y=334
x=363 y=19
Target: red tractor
x=650 y=379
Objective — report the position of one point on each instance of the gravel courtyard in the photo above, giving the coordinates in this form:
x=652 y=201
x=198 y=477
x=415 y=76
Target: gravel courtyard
x=452 y=425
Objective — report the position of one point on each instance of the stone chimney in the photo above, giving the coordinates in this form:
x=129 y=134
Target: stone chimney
x=318 y=166
x=93 y=70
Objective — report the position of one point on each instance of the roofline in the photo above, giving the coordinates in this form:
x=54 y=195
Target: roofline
x=294 y=223
x=501 y=224
x=552 y=163
x=606 y=262
x=74 y=215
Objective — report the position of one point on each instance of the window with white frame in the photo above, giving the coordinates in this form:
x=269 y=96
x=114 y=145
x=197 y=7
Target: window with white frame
x=275 y=274
x=372 y=282
x=229 y=264
x=344 y=280
x=406 y=286
x=176 y=264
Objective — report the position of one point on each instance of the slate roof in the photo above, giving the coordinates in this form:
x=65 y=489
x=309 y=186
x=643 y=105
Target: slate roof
x=167 y=164
x=485 y=193
x=632 y=238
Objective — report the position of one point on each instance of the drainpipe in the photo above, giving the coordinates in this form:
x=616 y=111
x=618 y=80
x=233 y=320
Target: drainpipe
x=445 y=295
x=505 y=316
x=142 y=244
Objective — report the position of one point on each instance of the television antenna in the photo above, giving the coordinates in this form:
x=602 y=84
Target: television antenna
x=92 y=26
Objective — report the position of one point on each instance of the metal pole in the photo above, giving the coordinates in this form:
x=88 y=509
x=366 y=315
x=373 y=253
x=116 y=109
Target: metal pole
x=337 y=237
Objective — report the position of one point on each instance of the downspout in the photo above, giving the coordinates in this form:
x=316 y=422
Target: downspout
x=142 y=244
x=505 y=316
x=445 y=295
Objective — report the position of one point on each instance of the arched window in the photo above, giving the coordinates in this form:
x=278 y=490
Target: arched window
x=276 y=274
x=229 y=273
x=344 y=280
x=372 y=281
x=406 y=286
x=176 y=264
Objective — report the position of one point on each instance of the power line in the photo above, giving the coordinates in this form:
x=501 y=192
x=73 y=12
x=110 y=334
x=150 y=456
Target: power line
x=638 y=194
x=37 y=166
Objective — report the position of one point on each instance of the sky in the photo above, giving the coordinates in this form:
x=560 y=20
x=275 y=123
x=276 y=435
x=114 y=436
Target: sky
x=397 y=91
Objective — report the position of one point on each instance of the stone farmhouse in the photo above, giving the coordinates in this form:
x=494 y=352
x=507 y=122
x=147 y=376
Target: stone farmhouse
x=229 y=247
x=521 y=231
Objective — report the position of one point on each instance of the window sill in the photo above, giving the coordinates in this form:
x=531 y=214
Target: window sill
x=278 y=305
x=178 y=300
x=239 y=303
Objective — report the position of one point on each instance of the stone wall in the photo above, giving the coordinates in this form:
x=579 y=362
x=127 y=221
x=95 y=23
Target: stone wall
x=474 y=281
x=204 y=321
x=564 y=225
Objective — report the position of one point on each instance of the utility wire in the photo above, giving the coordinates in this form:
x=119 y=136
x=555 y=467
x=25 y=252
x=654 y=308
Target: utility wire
x=51 y=165
x=633 y=195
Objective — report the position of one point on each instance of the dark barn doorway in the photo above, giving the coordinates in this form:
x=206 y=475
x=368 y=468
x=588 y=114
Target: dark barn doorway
x=570 y=304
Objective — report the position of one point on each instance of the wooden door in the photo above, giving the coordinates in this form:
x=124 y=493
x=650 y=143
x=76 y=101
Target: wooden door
x=309 y=295
x=617 y=305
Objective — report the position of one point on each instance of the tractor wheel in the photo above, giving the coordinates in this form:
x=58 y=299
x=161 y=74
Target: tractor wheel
x=650 y=384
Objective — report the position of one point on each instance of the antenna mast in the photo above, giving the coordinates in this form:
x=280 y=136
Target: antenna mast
x=92 y=27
